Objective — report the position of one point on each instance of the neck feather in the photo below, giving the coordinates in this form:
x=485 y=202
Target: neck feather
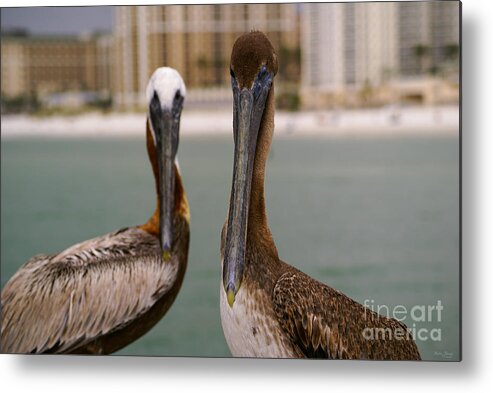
x=257 y=217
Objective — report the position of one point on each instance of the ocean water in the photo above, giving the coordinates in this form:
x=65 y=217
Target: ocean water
x=377 y=218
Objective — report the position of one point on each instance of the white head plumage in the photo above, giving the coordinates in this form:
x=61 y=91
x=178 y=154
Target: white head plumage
x=165 y=82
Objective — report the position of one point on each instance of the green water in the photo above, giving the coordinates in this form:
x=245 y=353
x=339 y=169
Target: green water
x=375 y=218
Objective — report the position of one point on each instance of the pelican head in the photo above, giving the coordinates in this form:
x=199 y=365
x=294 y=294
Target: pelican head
x=253 y=67
x=165 y=94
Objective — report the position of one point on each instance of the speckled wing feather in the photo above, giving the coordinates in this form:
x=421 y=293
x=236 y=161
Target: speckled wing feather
x=324 y=323
x=58 y=303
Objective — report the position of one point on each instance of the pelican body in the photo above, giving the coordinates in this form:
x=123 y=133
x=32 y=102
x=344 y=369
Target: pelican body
x=269 y=308
x=100 y=295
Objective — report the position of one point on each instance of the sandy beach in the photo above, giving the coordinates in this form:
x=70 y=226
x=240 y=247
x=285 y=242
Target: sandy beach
x=368 y=122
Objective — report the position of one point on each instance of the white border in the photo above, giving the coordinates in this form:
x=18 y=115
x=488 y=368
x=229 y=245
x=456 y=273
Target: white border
x=84 y=374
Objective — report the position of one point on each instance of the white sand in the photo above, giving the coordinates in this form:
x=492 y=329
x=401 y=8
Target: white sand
x=370 y=122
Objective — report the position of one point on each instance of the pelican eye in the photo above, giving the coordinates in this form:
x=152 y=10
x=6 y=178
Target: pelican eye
x=234 y=81
x=262 y=72
x=262 y=82
x=177 y=105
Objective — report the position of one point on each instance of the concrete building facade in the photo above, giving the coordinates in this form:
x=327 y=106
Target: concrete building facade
x=355 y=53
x=426 y=31
x=44 y=65
x=352 y=54
x=195 y=39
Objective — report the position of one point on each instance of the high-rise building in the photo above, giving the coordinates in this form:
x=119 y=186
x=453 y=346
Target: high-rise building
x=43 y=65
x=351 y=50
x=428 y=33
x=14 y=78
x=351 y=53
x=347 y=44
x=194 y=39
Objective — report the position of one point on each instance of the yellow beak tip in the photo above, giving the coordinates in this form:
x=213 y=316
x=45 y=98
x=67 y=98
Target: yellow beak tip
x=166 y=256
x=231 y=297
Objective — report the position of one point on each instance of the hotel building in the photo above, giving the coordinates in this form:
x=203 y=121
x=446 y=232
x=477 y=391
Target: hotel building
x=44 y=65
x=353 y=50
x=196 y=40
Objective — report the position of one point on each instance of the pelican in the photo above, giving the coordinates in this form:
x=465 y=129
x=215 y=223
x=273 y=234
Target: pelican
x=100 y=295
x=269 y=308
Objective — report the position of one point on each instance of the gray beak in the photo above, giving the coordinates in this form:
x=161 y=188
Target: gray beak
x=248 y=108
x=166 y=126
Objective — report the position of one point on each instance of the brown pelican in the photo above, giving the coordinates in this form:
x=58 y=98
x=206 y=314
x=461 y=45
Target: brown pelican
x=100 y=295
x=269 y=308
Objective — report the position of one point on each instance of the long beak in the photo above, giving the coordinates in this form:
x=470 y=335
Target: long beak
x=166 y=161
x=248 y=109
x=166 y=131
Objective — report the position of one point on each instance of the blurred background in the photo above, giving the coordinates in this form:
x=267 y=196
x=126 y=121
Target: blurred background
x=368 y=103
x=331 y=55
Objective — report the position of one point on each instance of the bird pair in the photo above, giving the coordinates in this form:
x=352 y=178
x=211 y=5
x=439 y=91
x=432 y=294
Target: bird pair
x=100 y=295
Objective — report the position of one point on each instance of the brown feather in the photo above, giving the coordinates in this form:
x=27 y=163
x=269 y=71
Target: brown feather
x=250 y=51
x=312 y=319
x=323 y=309
x=100 y=296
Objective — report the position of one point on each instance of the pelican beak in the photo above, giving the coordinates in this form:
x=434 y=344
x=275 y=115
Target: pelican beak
x=248 y=108
x=166 y=126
